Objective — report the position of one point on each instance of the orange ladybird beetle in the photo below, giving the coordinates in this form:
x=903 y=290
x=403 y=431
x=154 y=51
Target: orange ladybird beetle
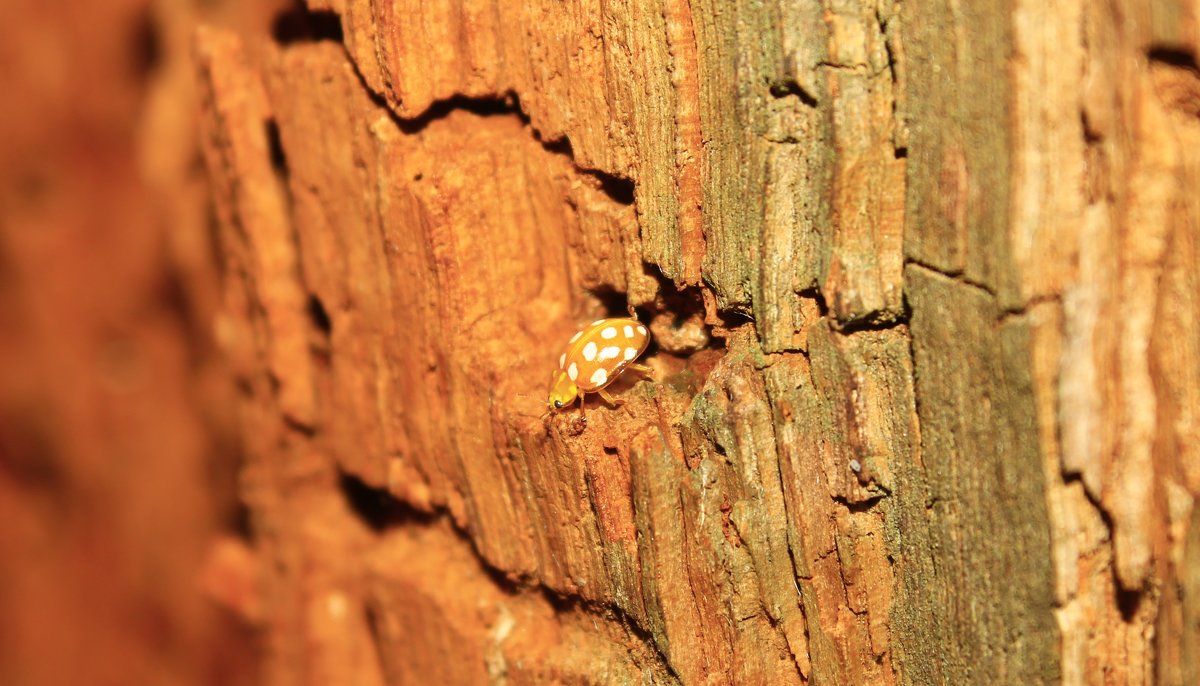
x=594 y=357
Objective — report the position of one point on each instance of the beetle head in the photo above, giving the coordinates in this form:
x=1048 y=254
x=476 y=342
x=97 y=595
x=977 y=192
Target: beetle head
x=563 y=391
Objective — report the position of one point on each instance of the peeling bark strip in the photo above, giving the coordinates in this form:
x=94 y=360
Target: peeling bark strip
x=685 y=78
x=942 y=427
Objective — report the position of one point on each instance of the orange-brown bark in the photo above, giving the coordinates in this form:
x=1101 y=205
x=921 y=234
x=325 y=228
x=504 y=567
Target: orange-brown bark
x=921 y=280
x=890 y=309
x=117 y=467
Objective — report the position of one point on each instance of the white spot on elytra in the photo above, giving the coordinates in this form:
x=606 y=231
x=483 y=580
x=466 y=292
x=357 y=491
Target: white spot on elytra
x=641 y=329
x=599 y=376
x=609 y=332
x=610 y=353
x=562 y=360
x=575 y=337
x=630 y=353
x=589 y=351
x=628 y=331
x=573 y=371
x=855 y=466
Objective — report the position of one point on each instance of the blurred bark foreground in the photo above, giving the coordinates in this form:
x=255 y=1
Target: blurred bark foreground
x=923 y=281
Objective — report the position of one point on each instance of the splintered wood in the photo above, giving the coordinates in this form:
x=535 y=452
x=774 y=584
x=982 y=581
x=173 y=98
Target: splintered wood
x=926 y=401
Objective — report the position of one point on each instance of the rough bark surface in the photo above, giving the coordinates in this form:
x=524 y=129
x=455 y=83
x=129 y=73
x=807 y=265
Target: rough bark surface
x=922 y=278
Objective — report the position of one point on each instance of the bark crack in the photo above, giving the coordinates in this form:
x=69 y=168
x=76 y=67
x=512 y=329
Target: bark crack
x=381 y=511
x=957 y=277
x=619 y=189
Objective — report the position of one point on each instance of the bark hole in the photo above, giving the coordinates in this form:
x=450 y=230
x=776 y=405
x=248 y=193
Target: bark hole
x=298 y=24
x=319 y=315
x=784 y=89
x=1173 y=57
x=275 y=148
x=1128 y=602
x=377 y=508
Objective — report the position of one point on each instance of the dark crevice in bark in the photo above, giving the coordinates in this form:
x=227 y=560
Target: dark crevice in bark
x=918 y=447
x=275 y=149
x=298 y=24
x=1176 y=78
x=1091 y=134
x=620 y=190
x=377 y=508
x=1128 y=602
x=146 y=44
x=1014 y=312
x=615 y=302
x=875 y=321
x=307 y=431
x=956 y=276
x=1174 y=57
x=1072 y=475
x=241 y=517
x=860 y=506
x=372 y=620
x=319 y=315
x=681 y=303
x=889 y=27
x=483 y=107
x=381 y=511
x=814 y=293
x=684 y=303
x=564 y=605
x=871 y=321
x=790 y=88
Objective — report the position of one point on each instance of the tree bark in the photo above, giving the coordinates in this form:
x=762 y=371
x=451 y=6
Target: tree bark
x=922 y=281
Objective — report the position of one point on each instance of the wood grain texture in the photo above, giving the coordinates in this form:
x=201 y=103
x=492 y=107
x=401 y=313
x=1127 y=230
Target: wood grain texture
x=975 y=391
x=925 y=302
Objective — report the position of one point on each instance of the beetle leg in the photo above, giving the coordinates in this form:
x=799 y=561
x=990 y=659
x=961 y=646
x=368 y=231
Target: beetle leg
x=578 y=422
x=615 y=402
x=641 y=369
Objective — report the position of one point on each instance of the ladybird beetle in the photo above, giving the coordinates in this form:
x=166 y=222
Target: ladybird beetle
x=594 y=357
